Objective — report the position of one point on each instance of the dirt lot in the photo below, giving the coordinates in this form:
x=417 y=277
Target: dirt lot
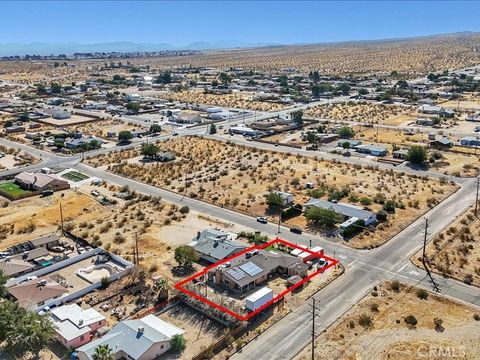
x=160 y=226
x=200 y=331
x=385 y=334
x=14 y=158
x=234 y=100
x=364 y=112
x=238 y=177
x=100 y=128
x=455 y=252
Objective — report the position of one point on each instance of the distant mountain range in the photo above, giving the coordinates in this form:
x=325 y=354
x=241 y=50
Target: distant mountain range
x=69 y=48
x=41 y=48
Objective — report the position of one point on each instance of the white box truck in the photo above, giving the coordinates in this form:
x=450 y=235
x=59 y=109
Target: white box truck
x=258 y=298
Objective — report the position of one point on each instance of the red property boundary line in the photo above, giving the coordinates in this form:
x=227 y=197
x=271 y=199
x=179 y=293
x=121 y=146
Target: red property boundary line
x=179 y=286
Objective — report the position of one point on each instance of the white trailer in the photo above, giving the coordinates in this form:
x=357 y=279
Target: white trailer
x=258 y=298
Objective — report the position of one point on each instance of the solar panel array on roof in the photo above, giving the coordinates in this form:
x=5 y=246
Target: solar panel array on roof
x=251 y=269
x=236 y=273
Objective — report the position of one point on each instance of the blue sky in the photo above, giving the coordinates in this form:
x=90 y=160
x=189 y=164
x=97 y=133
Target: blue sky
x=183 y=22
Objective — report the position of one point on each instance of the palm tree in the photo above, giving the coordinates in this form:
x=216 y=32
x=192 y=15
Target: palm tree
x=3 y=281
x=103 y=352
x=163 y=285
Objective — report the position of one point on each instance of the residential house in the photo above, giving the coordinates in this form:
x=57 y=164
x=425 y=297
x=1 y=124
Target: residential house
x=441 y=143
x=140 y=339
x=14 y=129
x=40 y=182
x=351 y=143
x=374 y=150
x=400 y=154
x=470 y=141
x=214 y=245
x=424 y=121
x=15 y=267
x=253 y=268
x=35 y=293
x=75 y=326
x=346 y=210
x=287 y=198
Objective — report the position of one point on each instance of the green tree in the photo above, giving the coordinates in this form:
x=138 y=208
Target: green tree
x=8 y=123
x=326 y=218
x=23 y=332
x=162 y=286
x=297 y=117
x=225 y=79
x=55 y=88
x=416 y=154
x=23 y=117
x=346 y=132
x=212 y=130
x=149 y=150
x=164 y=78
x=155 y=128
x=41 y=89
x=3 y=282
x=315 y=90
x=311 y=137
x=274 y=200
x=125 y=136
x=178 y=343
x=343 y=88
x=133 y=106
x=103 y=352
x=185 y=255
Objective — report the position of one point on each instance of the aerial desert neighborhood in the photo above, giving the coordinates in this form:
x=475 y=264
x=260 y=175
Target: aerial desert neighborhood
x=244 y=180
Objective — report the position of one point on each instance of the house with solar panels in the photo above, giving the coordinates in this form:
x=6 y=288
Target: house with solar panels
x=254 y=268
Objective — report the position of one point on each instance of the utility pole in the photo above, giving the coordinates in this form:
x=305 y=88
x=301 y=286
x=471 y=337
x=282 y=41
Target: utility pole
x=476 y=197
x=279 y=221
x=61 y=218
x=137 y=257
x=425 y=242
x=313 y=329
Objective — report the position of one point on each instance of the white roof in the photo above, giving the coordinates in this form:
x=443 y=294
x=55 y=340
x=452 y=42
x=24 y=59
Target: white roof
x=296 y=252
x=316 y=249
x=259 y=294
x=71 y=321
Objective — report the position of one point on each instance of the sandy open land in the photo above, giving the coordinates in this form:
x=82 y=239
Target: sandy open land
x=364 y=112
x=100 y=128
x=234 y=100
x=388 y=336
x=405 y=56
x=238 y=177
x=455 y=252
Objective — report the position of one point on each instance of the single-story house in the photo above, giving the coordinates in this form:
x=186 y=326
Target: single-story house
x=61 y=114
x=441 y=143
x=214 y=245
x=400 y=154
x=430 y=109
x=424 y=121
x=244 y=130
x=473 y=117
x=185 y=118
x=75 y=326
x=40 y=182
x=352 y=143
x=14 y=129
x=287 y=198
x=254 y=268
x=346 y=210
x=374 y=150
x=469 y=141
x=140 y=339
x=35 y=293
x=15 y=267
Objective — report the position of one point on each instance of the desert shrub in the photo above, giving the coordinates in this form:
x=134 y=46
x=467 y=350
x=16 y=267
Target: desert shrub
x=365 y=320
x=411 y=320
x=395 y=286
x=184 y=210
x=422 y=294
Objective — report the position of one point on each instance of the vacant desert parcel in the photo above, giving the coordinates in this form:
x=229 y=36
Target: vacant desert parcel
x=239 y=177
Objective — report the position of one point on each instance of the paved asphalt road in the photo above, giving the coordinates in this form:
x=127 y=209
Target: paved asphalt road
x=363 y=268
